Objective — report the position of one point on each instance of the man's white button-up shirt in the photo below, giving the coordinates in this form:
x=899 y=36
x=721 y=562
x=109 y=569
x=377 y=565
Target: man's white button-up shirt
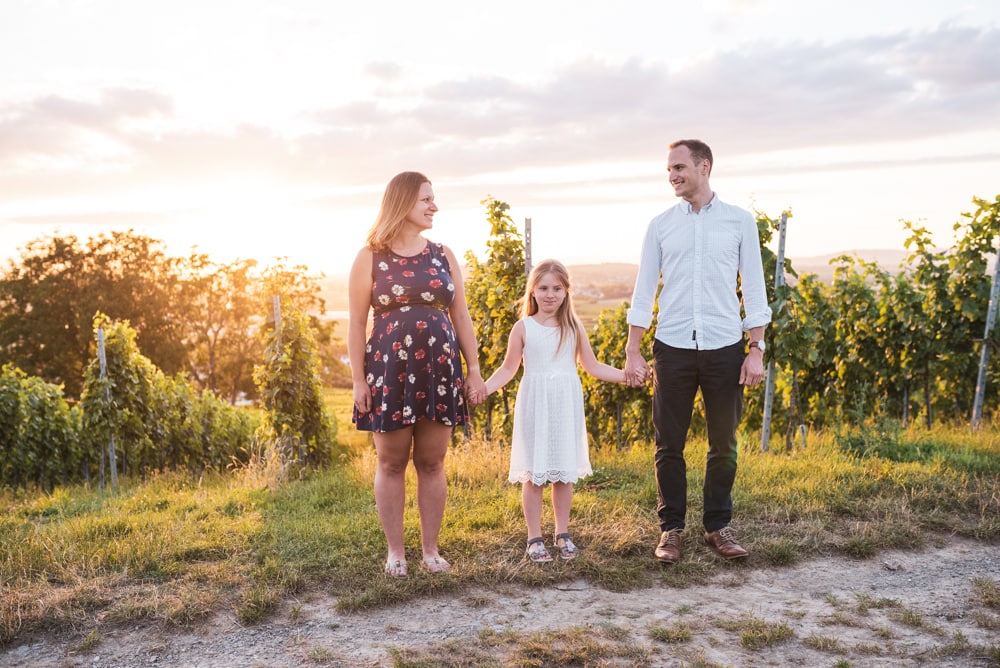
x=700 y=255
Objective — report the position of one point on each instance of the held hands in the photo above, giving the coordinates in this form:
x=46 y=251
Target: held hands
x=637 y=370
x=475 y=388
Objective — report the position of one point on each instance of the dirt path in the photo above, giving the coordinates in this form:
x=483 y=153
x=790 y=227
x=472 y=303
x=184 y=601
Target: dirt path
x=923 y=611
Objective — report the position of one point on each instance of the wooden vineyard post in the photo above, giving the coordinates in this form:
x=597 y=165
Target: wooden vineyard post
x=991 y=312
x=112 y=460
x=779 y=282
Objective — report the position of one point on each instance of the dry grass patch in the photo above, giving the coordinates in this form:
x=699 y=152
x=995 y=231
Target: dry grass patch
x=573 y=646
x=823 y=643
x=987 y=592
x=756 y=633
x=677 y=632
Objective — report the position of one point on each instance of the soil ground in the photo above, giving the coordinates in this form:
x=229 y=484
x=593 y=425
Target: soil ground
x=924 y=611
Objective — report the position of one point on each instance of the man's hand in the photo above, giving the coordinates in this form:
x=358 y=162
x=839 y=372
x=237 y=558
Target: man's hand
x=752 y=371
x=637 y=370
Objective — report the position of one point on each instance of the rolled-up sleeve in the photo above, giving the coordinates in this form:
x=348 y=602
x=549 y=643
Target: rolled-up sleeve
x=640 y=314
x=756 y=311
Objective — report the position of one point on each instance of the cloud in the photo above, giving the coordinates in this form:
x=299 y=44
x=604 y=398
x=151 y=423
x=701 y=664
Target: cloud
x=754 y=98
x=761 y=97
x=383 y=71
x=118 y=219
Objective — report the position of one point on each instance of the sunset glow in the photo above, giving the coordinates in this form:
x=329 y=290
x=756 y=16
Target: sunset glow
x=265 y=129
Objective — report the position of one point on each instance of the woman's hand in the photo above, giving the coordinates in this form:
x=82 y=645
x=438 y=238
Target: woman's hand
x=475 y=388
x=362 y=396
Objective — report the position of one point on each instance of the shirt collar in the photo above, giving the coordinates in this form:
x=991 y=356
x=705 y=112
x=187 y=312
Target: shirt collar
x=687 y=205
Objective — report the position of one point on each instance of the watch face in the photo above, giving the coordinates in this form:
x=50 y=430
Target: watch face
x=760 y=345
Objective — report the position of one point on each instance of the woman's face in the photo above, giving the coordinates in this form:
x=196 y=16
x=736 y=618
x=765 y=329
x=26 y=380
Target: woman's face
x=422 y=213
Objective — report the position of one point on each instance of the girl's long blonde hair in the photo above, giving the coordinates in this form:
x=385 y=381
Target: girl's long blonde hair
x=400 y=195
x=566 y=316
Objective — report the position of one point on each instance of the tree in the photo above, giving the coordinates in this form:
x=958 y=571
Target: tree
x=223 y=303
x=49 y=297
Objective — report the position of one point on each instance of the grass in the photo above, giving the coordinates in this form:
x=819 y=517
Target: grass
x=175 y=548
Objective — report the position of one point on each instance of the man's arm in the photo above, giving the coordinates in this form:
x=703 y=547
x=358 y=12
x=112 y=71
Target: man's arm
x=640 y=313
x=636 y=368
x=752 y=371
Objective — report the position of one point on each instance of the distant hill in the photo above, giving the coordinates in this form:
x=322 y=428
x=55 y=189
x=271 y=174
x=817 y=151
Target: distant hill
x=611 y=282
x=889 y=260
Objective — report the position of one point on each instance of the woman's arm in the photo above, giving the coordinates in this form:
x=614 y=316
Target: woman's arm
x=465 y=332
x=359 y=296
x=511 y=361
x=587 y=358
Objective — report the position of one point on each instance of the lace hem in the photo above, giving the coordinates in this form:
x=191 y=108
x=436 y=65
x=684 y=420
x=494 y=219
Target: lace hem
x=541 y=479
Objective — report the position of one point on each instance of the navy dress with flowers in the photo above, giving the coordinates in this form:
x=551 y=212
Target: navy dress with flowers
x=412 y=360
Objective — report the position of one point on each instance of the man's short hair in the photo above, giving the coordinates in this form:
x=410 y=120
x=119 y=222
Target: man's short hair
x=699 y=151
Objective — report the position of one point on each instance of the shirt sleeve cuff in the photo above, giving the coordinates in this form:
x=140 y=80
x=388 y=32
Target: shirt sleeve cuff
x=638 y=318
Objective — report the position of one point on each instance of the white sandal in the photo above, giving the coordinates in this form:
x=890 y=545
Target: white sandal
x=567 y=550
x=537 y=551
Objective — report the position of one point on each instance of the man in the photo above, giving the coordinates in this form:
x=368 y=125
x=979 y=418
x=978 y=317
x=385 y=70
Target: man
x=700 y=246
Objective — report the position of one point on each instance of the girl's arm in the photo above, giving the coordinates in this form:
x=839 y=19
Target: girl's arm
x=587 y=358
x=465 y=332
x=511 y=361
x=359 y=296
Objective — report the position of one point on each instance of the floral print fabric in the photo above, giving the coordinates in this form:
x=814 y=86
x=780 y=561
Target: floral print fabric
x=412 y=359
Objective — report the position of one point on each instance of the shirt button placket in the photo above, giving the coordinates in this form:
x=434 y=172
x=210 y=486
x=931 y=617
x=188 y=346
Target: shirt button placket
x=697 y=278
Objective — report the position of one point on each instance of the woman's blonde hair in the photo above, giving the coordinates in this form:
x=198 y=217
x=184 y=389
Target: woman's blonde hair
x=566 y=316
x=400 y=195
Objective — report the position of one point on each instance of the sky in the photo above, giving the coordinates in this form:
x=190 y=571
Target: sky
x=268 y=129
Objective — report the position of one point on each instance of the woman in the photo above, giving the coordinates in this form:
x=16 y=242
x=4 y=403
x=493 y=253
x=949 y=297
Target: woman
x=408 y=380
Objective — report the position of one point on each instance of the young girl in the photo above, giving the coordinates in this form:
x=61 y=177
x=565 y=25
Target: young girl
x=550 y=436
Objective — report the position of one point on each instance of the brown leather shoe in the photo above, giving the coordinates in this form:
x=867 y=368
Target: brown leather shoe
x=669 y=549
x=724 y=544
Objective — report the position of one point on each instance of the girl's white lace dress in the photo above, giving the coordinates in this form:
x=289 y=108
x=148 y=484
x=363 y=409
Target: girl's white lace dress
x=550 y=433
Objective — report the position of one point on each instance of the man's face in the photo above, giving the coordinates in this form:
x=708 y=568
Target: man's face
x=686 y=177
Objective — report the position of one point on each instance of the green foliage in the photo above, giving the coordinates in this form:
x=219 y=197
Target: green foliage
x=117 y=405
x=289 y=383
x=493 y=291
x=897 y=343
x=156 y=422
x=615 y=412
x=39 y=433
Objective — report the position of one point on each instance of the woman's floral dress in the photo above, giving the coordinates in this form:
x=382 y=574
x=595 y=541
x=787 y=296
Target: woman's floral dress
x=412 y=360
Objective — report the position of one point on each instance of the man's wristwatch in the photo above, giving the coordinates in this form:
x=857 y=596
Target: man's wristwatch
x=759 y=345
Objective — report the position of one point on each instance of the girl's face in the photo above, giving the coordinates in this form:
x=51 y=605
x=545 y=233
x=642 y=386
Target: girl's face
x=422 y=213
x=549 y=293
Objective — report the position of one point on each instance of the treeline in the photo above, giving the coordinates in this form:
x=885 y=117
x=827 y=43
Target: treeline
x=191 y=315
x=210 y=325
x=873 y=344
